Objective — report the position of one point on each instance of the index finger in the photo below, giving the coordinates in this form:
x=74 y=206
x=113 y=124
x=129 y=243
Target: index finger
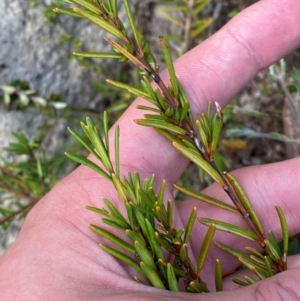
x=214 y=71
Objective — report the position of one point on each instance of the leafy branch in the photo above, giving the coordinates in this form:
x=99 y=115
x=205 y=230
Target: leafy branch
x=149 y=220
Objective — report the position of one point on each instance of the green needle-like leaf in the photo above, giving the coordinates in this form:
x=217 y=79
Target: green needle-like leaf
x=122 y=257
x=88 y=5
x=172 y=280
x=285 y=233
x=184 y=256
x=136 y=34
x=113 y=238
x=84 y=161
x=156 y=248
x=273 y=248
x=101 y=211
x=190 y=225
x=101 y=55
x=96 y=19
x=67 y=11
x=134 y=236
x=232 y=251
x=144 y=254
x=126 y=53
x=115 y=213
x=119 y=187
x=88 y=147
x=200 y=162
x=161 y=124
x=205 y=198
x=161 y=193
x=268 y=266
x=222 y=226
x=216 y=130
x=205 y=247
x=170 y=66
x=170 y=214
x=152 y=275
x=134 y=90
x=218 y=276
x=197 y=287
x=244 y=200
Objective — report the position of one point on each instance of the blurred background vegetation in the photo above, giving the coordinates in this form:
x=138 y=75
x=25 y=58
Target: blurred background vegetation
x=261 y=122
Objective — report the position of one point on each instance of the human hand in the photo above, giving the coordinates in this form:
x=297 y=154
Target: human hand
x=57 y=257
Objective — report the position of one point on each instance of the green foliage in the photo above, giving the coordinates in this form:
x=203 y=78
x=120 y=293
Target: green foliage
x=191 y=23
x=18 y=95
x=148 y=221
x=29 y=177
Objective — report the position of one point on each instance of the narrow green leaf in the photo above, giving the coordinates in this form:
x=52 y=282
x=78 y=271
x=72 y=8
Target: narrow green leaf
x=203 y=136
x=200 y=162
x=205 y=198
x=184 y=256
x=133 y=90
x=88 y=5
x=131 y=219
x=164 y=242
x=101 y=211
x=164 y=11
x=113 y=238
x=216 y=130
x=114 y=8
x=160 y=124
x=67 y=11
x=119 y=187
x=88 y=147
x=205 y=247
x=84 y=161
x=218 y=276
x=197 y=287
x=114 y=224
x=122 y=257
x=268 y=266
x=172 y=280
x=190 y=225
x=239 y=282
x=146 y=108
x=272 y=250
x=127 y=54
x=170 y=66
x=101 y=55
x=252 y=266
x=144 y=254
x=226 y=227
x=100 y=147
x=244 y=200
x=96 y=19
x=179 y=272
x=255 y=252
x=285 y=233
x=250 y=280
x=141 y=221
x=161 y=193
x=153 y=242
x=170 y=214
x=152 y=276
x=135 y=236
x=105 y=131
x=115 y=213
x=134 y=29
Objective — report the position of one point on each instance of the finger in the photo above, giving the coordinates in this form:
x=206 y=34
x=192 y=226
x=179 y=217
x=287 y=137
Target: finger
x=214 y=71
x=266 y=186
x=228 y=284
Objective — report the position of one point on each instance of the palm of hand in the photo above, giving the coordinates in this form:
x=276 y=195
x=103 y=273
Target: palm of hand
x=57 y=256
